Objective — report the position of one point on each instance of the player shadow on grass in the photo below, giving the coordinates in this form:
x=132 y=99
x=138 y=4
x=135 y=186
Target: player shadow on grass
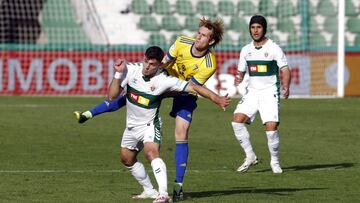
x=270 y=191
x=314 y=167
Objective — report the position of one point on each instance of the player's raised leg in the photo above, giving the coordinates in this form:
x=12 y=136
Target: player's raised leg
x=105 y=106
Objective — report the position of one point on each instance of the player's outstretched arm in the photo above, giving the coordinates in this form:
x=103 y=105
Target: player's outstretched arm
x=221 y=101
x=120 y=73
x=285 y=87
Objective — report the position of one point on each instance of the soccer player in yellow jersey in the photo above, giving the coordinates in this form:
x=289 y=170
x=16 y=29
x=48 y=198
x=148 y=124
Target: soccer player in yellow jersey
x=190 y=59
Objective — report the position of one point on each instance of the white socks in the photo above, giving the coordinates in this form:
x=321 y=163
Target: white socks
x=159 y=169
x=242 y=135
x=140 y=174
x=273 y=144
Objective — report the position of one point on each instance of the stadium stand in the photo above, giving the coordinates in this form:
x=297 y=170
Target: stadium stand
x=353 y=24
x=326 y=8
x=19 y=21
x=148 y=23
x=267 y=7
x=226 y=8
x=184 y=7
x=206 y=8
x=140 y=7
x=246 y=7
x=285 y=8
x=59 y=23
x=162 y=7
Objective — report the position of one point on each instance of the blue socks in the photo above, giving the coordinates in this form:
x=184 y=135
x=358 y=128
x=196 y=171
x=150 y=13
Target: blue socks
x=108 y=106
x=181 y=158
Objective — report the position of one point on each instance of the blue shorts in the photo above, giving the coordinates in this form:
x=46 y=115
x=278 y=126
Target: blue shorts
x=183 y=106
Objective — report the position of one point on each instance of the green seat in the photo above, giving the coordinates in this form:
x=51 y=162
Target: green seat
x=267 y=8
x=326 y=8
x=192 y=23
x=331 y=25
x=140 y=7
x=206 y=8
x=171 y=23
x=244 y=40
x=334 y=40
x=275 y=38
x=311 y=8
x=162 y=7
x=350 y=8
x=226 y=8
x=227 y=40
x=317 y=41
x=357 y=40
x=238 y=24
x=174 y=37
x=148 y=23
x=294 y=40
x=184 y=7
x=313 y=25
x=157 y=39
x=285 y=25
x=59 y=23
x=353 y=25
x=285 y=9
x=247 y=7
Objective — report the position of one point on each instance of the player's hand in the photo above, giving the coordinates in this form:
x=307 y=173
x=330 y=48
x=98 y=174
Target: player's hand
x=285 y=92
x=120 y=65
x=238 y=79
x=223 y=102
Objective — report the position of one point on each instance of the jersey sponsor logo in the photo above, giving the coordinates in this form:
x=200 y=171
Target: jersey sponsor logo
x=258 y=68
x=139 y=99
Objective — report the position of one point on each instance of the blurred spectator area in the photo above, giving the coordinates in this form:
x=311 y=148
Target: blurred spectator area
x=138 y=22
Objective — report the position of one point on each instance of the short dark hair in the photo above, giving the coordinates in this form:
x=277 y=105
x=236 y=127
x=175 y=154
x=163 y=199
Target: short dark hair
x=154 y=52
x=260 y=20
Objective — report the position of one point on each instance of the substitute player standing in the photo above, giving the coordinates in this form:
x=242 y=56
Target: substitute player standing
x=262 y=59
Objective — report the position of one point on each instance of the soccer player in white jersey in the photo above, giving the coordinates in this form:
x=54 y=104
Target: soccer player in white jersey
x=145 y=83
x=262 y=59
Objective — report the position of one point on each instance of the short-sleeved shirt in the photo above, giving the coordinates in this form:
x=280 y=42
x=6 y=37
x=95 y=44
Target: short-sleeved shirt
x=188 y=66
x=263 y=65
x=144 y=94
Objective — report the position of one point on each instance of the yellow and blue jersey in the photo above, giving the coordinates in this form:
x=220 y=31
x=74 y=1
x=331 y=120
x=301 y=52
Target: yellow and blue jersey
x=187 y=66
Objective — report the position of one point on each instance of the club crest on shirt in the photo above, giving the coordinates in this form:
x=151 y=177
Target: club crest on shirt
x=266 y=54
x=195 y=67
x=134 y=80
x=152 y=88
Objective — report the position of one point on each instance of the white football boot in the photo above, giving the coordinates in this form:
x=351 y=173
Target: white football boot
x=153 y=194
x=247 y=163
x=275 y=167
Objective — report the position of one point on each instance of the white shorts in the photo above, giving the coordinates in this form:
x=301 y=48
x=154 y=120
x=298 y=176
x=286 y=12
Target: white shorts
x=135 y=137
x=267 y=103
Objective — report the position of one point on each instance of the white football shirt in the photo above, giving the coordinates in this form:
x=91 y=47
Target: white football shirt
x=144 y=95
x=263 y=65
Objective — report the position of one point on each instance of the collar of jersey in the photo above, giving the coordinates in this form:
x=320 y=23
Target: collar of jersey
x=146 y=79
x=207 y=51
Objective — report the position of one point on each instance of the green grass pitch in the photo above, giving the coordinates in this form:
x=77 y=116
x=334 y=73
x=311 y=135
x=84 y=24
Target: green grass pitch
x=46 y=156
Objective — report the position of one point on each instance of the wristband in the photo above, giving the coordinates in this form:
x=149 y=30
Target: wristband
x=118 y=75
